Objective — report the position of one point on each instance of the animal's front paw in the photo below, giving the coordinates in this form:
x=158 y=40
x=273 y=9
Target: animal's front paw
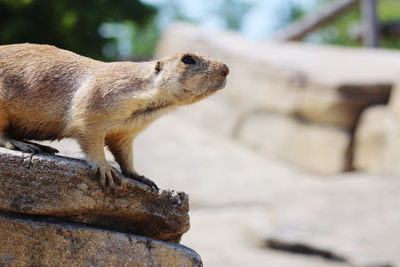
x=147 y=181
x=143 y=179
x=107 y=176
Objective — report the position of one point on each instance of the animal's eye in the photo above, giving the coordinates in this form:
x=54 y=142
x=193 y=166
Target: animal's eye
x=189 y=60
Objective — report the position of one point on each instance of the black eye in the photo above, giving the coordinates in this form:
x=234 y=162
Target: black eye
x=188 y=60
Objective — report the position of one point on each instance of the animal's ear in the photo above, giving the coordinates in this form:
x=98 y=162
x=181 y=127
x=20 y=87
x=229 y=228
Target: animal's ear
x=159 y=66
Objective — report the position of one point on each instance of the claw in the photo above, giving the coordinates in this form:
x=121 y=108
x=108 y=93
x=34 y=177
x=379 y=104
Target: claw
x=143 y=179
x=110 y=179
x=116 y=177
x=101 y=177
x=48 y=150
x=107 y=176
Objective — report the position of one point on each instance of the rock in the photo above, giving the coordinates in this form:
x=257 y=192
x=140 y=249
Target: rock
x=394 y=101
x=231 y=240
x=250 y=198
x=63 y=188
x=240 y=199
x=28 y=242
x=206 y=165
x=319 y=148
x=377 y=141
x=353 y=217
x=341 y=104
x=289 y=78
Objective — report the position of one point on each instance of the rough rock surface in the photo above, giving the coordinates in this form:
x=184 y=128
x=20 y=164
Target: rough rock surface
x=377 y=141
x=63 y=188
x=27 y=242
x=240 y=199
x=321 y=148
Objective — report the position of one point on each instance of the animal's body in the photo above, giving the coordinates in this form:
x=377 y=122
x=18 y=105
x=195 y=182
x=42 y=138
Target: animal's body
x=47 y=93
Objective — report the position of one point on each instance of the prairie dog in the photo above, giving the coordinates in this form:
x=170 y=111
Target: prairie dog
x=47 y=93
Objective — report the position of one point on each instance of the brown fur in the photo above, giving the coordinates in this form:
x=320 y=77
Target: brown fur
x=49 y=94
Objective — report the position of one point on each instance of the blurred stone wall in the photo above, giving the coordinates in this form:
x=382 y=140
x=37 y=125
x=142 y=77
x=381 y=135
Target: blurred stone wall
x=297 y=101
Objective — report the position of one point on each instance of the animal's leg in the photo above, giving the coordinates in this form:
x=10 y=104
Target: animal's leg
x=18 y=145
x=92 y=145
x=122 y=149
x=11 y=143
x=25 y=146
x=43 y=148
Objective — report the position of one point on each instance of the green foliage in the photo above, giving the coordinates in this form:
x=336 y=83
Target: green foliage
x=232 y=12
x=290 y=12
x=296 y=12
x=389 y=10
x=338 y=32
x=68 y=24
x=145 y=40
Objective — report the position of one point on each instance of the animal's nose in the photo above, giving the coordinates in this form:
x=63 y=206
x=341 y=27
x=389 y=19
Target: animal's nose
x=225 y=70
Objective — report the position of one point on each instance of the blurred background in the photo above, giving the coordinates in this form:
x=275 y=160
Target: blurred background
x=296 y=161
x=126 y=29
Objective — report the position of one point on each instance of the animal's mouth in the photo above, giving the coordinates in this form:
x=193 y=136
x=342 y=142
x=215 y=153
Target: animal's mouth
x=223 y=84
x=218 y=86
x=193 y=96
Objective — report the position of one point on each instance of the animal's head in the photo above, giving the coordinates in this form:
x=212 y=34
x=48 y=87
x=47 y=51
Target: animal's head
x=189 y=77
